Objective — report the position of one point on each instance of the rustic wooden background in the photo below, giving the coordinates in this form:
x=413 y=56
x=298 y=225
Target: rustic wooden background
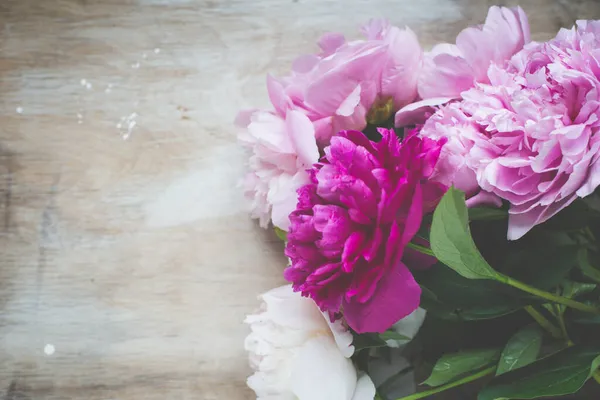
x=127 y=261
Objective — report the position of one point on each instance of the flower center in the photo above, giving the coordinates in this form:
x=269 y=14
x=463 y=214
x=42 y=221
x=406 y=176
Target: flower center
x=381 y=111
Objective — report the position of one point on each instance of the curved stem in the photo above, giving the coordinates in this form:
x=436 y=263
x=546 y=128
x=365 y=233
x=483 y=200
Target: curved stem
x=543 y=321
x=450 y=385
x=546 y=295
x=420 y=249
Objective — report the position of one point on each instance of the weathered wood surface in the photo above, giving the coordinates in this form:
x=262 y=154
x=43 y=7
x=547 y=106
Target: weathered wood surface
x=124 y=242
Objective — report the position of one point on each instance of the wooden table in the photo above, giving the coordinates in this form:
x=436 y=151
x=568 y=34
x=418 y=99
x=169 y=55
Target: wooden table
x=127 y=260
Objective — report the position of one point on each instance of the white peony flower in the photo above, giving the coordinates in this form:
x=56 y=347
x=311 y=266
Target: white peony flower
x=298 y=354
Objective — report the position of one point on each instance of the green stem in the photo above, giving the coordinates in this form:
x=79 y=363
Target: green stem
x=546 y=295
x=543 y=321
x=451 y=385
x=420 y=249
x=559 y=312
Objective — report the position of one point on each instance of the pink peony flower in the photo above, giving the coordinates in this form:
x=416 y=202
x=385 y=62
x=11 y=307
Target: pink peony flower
x=282 y=151
x=348 y=233
x=337 y=88
x=539 y=143
x=451 y=69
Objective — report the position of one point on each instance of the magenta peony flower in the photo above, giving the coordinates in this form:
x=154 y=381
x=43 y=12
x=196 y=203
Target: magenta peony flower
x=337 y=88
x=282 y=151
x=538 y=143
x=353 y=221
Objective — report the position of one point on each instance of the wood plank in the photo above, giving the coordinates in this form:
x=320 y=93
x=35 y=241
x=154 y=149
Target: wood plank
x=124 y=241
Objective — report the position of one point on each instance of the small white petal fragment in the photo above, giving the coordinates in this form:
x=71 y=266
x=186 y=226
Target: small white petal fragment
x=49 y=349
x=19 y=110
x=83 y=82
x=156 y=50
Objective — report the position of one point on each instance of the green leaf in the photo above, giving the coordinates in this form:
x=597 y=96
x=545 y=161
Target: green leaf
x=391 y=335
x=452 y=366
x=281 y=234
x=559 y=374
x=522 y=349
x=449 y=296
x=487 y=214
x=367 y=341
x=451 y=239
x=572 y=289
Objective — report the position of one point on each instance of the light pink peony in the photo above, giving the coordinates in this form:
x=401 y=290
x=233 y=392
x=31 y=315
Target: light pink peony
x=539 y=143
x=450 y=69
x=353 y=221
x=281 y=152
x=338 y=87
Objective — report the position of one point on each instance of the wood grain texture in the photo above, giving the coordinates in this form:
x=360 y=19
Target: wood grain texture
x=126 y=246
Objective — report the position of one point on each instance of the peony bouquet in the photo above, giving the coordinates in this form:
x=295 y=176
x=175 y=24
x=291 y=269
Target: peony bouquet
x=440 y=212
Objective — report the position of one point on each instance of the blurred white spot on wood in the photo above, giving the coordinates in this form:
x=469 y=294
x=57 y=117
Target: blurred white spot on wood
x=191 y=197
x=49 y=349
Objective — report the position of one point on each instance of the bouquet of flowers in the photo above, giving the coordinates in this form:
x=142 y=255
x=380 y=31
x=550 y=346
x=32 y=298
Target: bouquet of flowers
x=440 y=212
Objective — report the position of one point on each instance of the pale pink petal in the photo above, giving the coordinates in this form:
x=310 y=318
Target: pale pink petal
x=349 y=104
x=444 y=75
x=401 y=73
x=328 y=92
x=277 y=95
x=330 y=42
x=419 y=111
x=484 y=199
x=305 y=63
x=302 y=135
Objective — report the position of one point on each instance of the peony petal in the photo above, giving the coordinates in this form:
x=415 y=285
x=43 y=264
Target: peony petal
x=408 y=326
x=277 y=95
x=444 y=75
x=349 y=104
x=302 y=135
x=484 y=199
x=342 y=336
x=321 y=372
x=330 y=90
x=418 y=112
x=400 y=75
x=397 y=295
x=365 y=389
x=330 y=42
